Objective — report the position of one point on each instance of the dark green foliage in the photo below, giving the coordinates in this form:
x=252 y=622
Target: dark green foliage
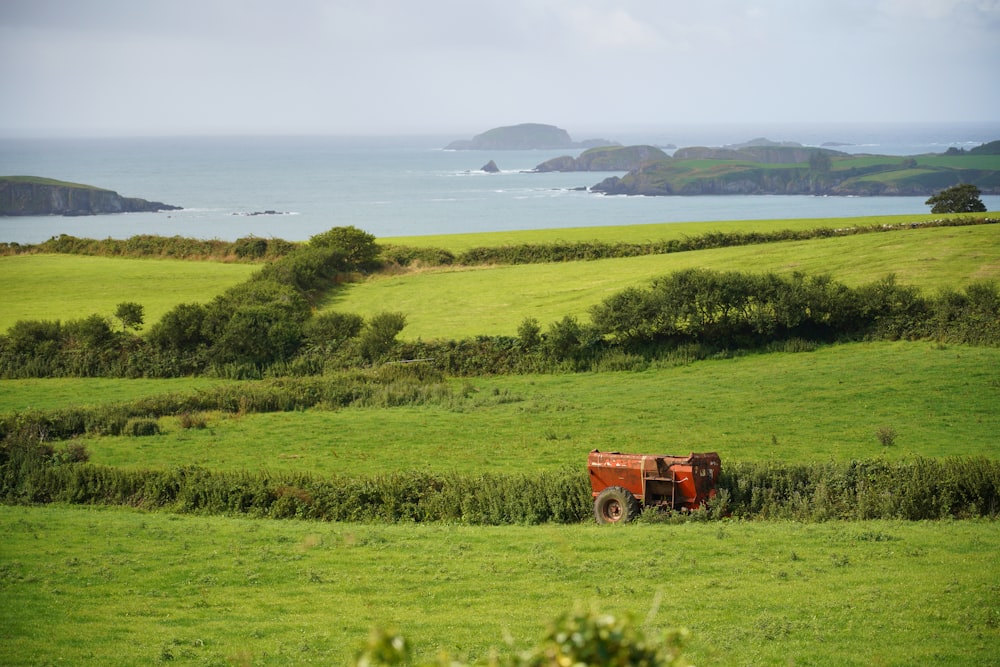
x=381 y=387
x=174 y=247
x=920 y=489
x=140 y=427
x=257 y=335
x=91 y=333
x=180 y=330
x=35 y=337
x=379 y=335
x=568 y=340
x=250 y=247
x=972 y=317
x=405 y=256
x=308 y=270
x=529 y=332
x=963 y=198
x=328 y=332
x=732 y=310
x=130 y=314
x=357 y=247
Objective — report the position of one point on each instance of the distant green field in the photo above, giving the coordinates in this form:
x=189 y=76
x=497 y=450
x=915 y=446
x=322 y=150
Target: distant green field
x=645 y=233
x=456 y=303
x=88 y=586
x=807 y=407
x=65 y=287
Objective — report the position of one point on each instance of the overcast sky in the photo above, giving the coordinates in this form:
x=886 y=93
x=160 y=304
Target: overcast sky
x=111 y=67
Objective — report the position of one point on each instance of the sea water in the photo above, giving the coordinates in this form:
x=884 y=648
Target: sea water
x=295 y=187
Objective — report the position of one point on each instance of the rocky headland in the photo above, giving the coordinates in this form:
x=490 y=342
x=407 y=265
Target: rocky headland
x=31 y=195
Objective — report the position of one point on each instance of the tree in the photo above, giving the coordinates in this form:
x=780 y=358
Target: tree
x=180 y=329
x=130 y=314
x=379 y=335
x=963 y=198
x=359 y=247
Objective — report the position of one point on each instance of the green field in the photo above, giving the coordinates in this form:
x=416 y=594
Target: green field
x=806 y=407
x=647 y=233
x=455 y=303
x=116 y=587
x=66 y=287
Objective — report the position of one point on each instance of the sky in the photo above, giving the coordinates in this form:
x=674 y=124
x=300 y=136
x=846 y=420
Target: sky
x=459 y=67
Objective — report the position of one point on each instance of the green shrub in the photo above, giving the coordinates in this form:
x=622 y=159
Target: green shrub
x=141 y=427
x=188 y=420
x=578 y=639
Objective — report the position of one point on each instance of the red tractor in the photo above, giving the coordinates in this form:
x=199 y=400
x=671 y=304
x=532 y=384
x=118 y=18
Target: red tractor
x=623 y=484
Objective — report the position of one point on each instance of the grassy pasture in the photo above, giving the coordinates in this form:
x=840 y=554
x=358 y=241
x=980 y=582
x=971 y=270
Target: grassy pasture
x=806 y=407
x=118 y=587
x=65 y=287
x=55 y=393
x=644 y=233
x=456 y=303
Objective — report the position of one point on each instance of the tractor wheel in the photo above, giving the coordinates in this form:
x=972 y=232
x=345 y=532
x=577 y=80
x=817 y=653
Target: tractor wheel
x=615 y=505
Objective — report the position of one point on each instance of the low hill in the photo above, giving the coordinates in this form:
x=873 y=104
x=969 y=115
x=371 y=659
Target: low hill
x=31 y=195
x=605 y=158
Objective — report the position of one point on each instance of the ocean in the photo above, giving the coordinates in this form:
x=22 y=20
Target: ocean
x=410 y=186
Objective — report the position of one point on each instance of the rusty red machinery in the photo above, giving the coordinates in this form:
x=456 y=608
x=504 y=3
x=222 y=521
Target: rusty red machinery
x=622 y=484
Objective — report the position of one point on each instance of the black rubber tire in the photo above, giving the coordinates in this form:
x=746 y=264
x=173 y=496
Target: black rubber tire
x=615 y=505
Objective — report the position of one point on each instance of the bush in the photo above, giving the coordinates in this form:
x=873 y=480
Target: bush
x=141 y=427
x=188 y=420
x=580 y=639
x=357 y=247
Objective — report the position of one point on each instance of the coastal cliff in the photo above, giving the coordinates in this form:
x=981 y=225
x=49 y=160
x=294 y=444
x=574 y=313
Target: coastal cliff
x=30 y=195
x=799 y=170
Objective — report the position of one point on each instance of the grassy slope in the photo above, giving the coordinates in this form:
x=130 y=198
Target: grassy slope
x=65 y=287
x=114 y=587
x=818 y=406
x=458 y=303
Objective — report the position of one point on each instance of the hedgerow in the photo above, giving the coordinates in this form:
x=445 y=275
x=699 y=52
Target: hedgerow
x=536 y=253
x=31 y=471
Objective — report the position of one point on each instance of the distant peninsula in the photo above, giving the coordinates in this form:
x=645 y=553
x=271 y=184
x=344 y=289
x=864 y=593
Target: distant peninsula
x=31 y=195
x=526 y=136
x=763 y=167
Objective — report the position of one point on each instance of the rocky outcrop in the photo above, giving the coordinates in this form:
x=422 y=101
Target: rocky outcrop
x=30 y=195
x=607 y=158
x=526 y=136
x=491 y=167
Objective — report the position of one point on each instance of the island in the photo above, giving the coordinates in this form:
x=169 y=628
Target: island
x=526 y=136
x=763 y=167
x=32 y=195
